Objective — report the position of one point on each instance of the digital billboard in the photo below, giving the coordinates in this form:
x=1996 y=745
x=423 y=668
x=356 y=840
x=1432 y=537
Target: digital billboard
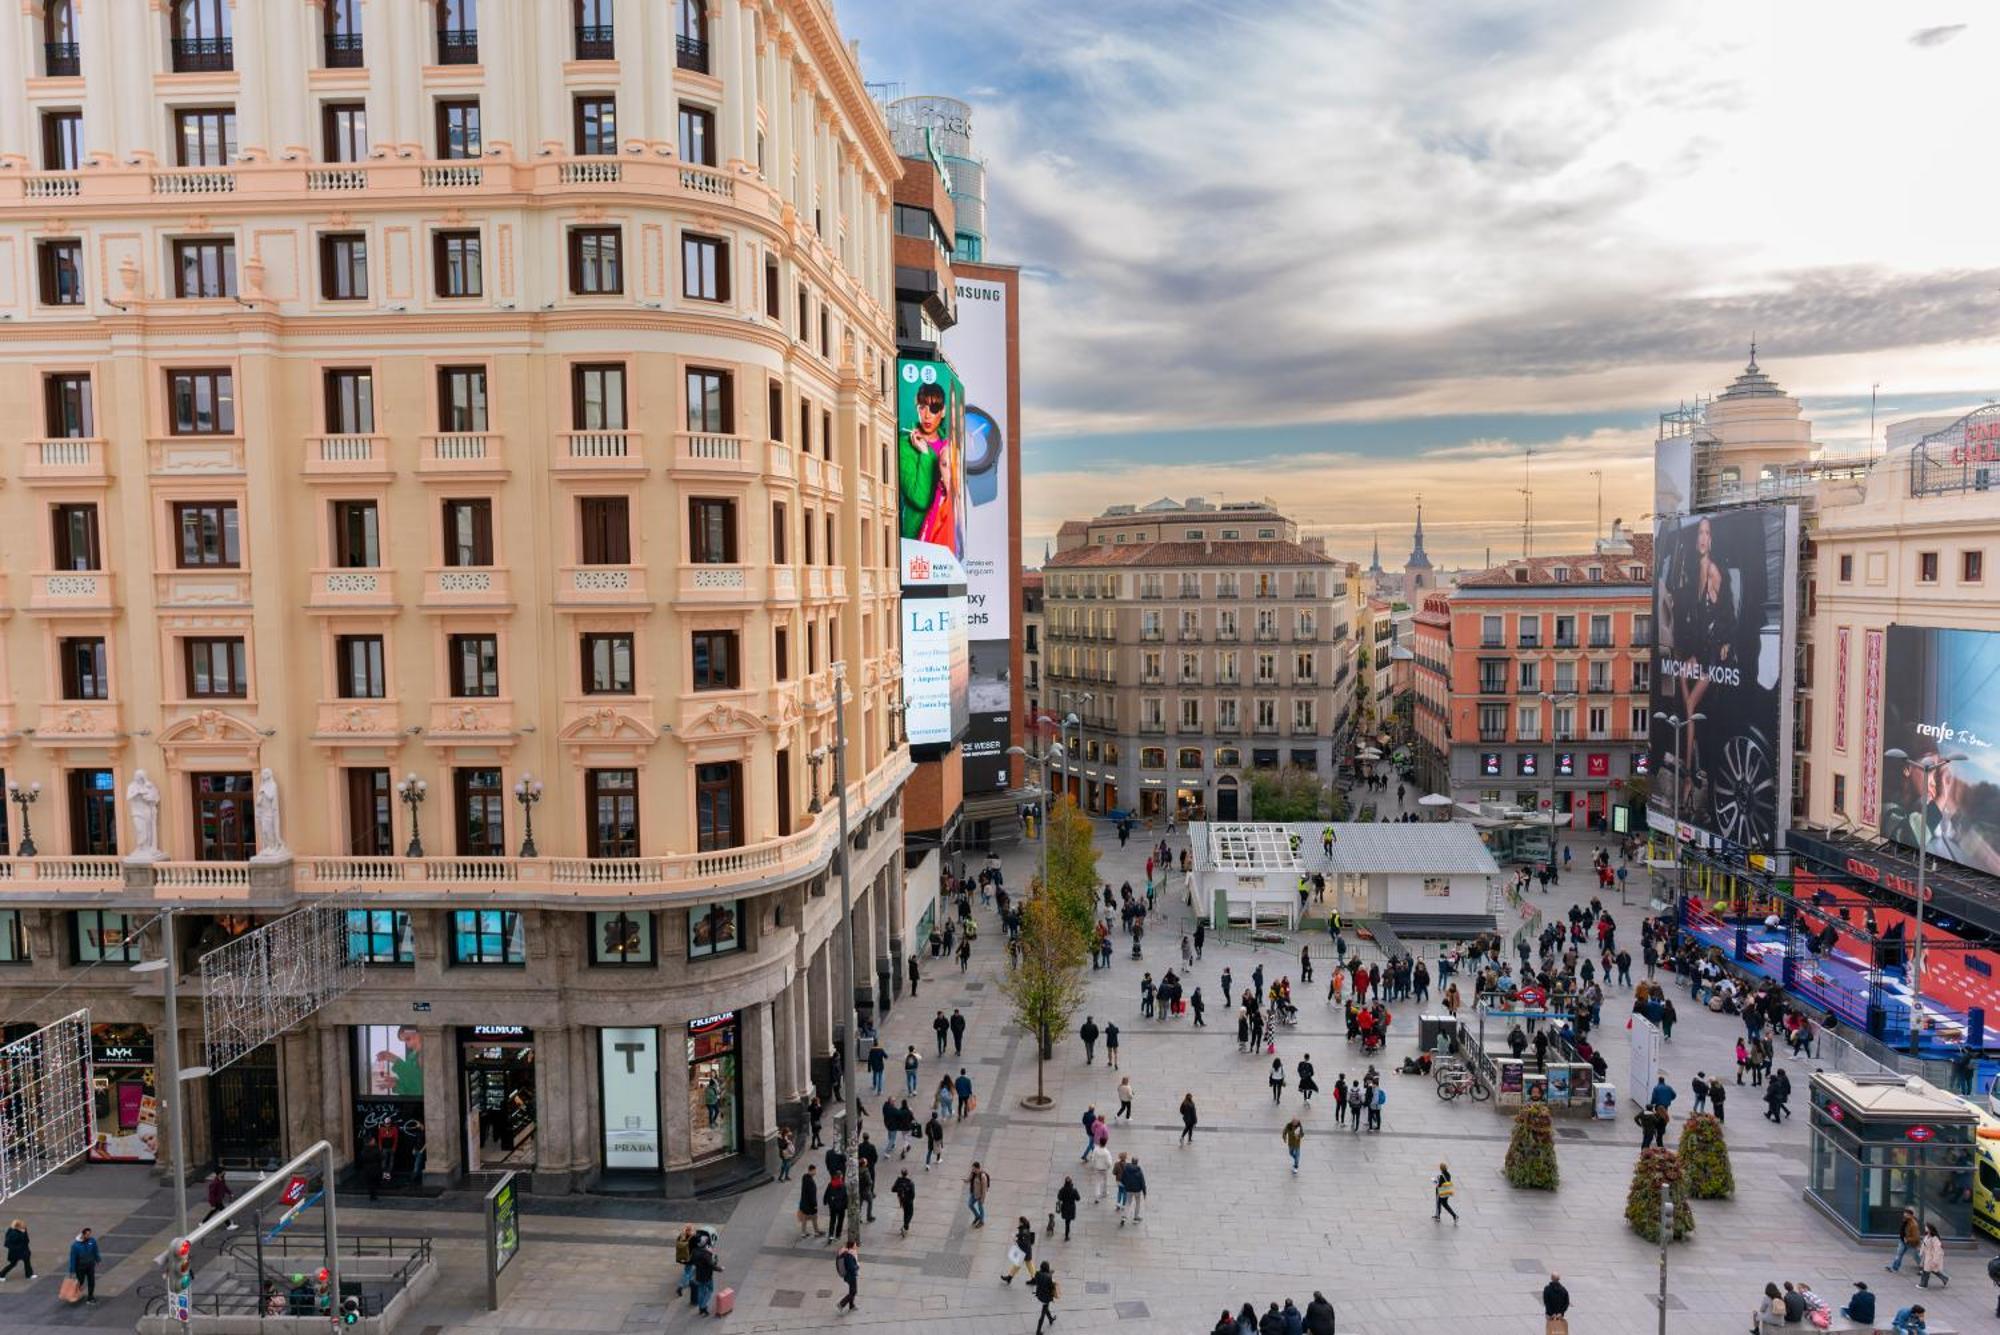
x=979 y=348
x=1941 y=701
x=935 y=669
x=930 y=472
x=1723 y=611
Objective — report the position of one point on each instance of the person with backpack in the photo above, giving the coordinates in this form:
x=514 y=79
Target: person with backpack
x=905 y=1192
x=1046 y=1292
x=977 y=1183
x=933 y=1141
x=847 y=1264
x=911 y=1063
x=1441 y=1192
x=1377 y=1098
x=836 y=1207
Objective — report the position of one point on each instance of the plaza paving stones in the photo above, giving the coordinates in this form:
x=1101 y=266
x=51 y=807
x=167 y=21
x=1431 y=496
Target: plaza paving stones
x=1225 y=1221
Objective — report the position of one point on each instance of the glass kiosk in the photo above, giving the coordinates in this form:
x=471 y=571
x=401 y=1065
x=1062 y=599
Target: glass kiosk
x=1880 y=1143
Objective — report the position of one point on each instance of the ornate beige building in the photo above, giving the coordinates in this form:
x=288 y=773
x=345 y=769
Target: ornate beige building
x=474 y=414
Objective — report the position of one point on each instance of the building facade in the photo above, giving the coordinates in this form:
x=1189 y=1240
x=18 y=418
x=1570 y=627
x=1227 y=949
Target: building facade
x=1533 y=681
x=467 y=426
x=1190 y=664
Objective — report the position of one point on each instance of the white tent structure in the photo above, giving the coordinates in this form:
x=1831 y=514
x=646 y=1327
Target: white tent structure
x=1424 y=878
x=1246 y=873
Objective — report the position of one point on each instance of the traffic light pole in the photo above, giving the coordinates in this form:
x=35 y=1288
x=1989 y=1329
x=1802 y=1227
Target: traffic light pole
x=183 y=1245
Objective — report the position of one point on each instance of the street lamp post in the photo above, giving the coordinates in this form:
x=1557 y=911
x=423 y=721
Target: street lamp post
x=849 y=1076
x=412 y=791
x=1554 y=698
x=1929 y=766
x=1055 y=752
x=1680 y=726
x=25 y=798
x=528 y=791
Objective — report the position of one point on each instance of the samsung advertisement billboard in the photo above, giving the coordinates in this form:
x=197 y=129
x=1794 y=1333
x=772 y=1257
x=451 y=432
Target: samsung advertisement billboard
x=935 y=668
x=1941 y=709
x=1724 y=606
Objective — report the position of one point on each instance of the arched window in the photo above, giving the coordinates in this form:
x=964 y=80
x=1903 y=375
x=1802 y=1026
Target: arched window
x=201 y=36
x=59 y=44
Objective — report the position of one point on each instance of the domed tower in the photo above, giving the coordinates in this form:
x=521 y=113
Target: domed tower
x=1754 y=434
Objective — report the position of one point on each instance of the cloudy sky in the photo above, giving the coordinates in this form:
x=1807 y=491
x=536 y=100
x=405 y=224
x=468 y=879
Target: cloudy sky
x=1339 y=252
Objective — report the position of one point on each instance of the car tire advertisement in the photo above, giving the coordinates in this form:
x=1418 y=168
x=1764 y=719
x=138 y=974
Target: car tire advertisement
x=1941 y=709
x=1724 y=604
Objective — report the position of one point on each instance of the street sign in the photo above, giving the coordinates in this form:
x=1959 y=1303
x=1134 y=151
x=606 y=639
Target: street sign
x=1533 y=996
x=1920 y=1134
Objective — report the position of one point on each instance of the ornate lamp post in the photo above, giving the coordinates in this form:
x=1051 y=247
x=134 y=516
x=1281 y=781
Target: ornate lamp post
x=528 y=791
x=25 y=798
x=412 y=791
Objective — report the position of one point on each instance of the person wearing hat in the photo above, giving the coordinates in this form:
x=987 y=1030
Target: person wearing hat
x=1860 y=1308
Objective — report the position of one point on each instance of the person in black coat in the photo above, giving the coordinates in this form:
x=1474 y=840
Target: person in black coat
x=1044 y=1285
x=1319 y=1315
x=18 y=1249
x=1187 y=1117
x=809 y=1202
x=1272 y=1322
x=1555 y=1298
x=1066 y=1198
x=905 y=1192
x=836 y=1207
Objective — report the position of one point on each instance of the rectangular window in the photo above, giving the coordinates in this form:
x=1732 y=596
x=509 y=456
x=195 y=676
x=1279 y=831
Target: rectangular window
x=59 y=272
x=1490 y=632
x=715 y=929
x=718 y=801
x=607 y=663
x=606 y=536
x=1927 y=567
x=781 y=653
x=458 y=128
x=357 y=535
x=350 y=403
x=1840 y=793
x=205 y=136
x=771 y=302
x=224 y=817
x=711 y=402
x=698 y=137
x=208 y=534
x=202 y=402
x=1971 y=567
x=1600 y=632
x=594 y=267
x=488 y=937
x=73 y=529
x=343 y=266
x=357 y=668
x=1846 y=568
x=344 y=132
x=596 y=125
x=13 y=938
x=93 y=813
x=468 y=533
x=105 y=937
x=83 y=668
x=704 y=267
x=205 y=268
x=217 y=666
x=480 y=803
x=458 y=32
x=597 y=396
x=461 y=398
x=342 y=30
x=371 y=807
x=594 y=30
x=473 y=665
x=379 y=936
x=711 y=531
x=779 y=533
x=455 y=263
x=62 y=141
x=66 y=406
x=621 y=937
x=714 y=660
x=611 y=803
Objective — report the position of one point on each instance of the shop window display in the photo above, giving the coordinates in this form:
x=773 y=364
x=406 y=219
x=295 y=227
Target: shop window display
x=389 y=1101
x=714 y=1087
x=125 y=1106
x=715 y=930
x=499 y=1065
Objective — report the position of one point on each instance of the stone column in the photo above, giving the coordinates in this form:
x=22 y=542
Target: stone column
x=756 y=1056
x=444 y=1118
x=676 y=1130
x=726 y=20
x=784 y=1054
x=819 y=1013
x=885 y=960
x=802 y=1046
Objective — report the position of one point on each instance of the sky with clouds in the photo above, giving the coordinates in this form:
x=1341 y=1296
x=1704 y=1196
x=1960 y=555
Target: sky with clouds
x=1343 y=252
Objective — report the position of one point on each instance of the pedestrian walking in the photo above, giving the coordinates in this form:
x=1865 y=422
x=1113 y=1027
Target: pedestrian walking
x=1718 y=1094
x=1930 y=1258
x=809 y=1202
x=1699 y=1087
x=943 y=1101
x=941 y=1027
x=1277 y=1080
x=977 y=1183
x=1199 y=1007
x=1187 y=1117
x=965 y=1100
x=905 y=1192
x=219 y=1195
x=1022 y=1253
x=1046 y=1292
x=1066 y=1198
x=957 y=1033
x=1134 y=1183
x=1088 y=1033
x=705 y=1266
x=912 y=1062
x=1555 y=1305
x=1200 y=939
x=1305 y=964
x=1307 y=1085
x=1099 y=1164
x=836 y=1206
x=19 y=1251
x=1777 y=1092
x=788 y=1153
x=933 y=1142
x=815 y=1113
x=1377 y=1099
x=1441 y=1192
x=1909 y=1237
x=84 y=1257
x=1111 y=1044
x=1124 y=1098
x=1295 y=1138
x=1089 y=1126
x=1340 y=1100
x=847 y=1263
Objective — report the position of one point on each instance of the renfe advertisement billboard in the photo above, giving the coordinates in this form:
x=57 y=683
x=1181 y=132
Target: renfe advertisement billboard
x=930 y=472
x=1941 y=701
x=1723 y=609
x=934 y=669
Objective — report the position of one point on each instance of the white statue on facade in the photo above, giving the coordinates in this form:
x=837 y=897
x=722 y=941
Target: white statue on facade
x=142 y=799
x=270 y=843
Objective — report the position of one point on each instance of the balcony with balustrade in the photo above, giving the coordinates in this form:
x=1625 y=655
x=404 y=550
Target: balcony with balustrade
x=348 y=458
x=706 y=454
x=348 y=589
x=203 y=55
x=599 y=454
x=71 y=592
x=66 y=461
x=453 y=455
x=465 y=588
x=581 y=588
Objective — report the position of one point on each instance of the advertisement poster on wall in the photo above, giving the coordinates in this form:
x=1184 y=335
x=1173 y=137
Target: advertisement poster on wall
x=935 y=669
x=1941 y=703
x=630 y=1060
x=1724 y=605
x=930 y=472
